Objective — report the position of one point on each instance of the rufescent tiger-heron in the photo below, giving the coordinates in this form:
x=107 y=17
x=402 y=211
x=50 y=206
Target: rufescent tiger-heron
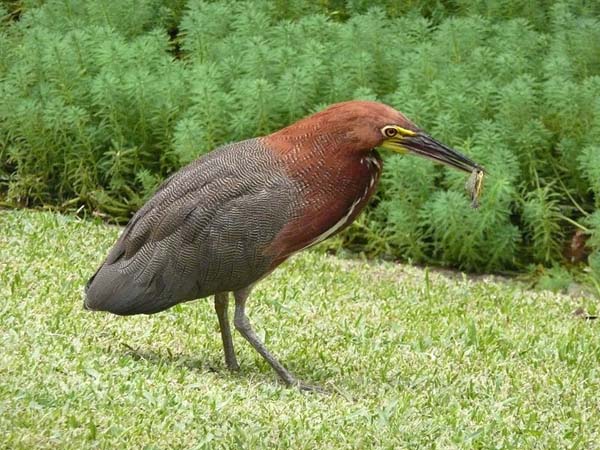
x=228 y=219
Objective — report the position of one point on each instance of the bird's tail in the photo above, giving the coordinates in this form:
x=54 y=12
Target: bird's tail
x=112 y=291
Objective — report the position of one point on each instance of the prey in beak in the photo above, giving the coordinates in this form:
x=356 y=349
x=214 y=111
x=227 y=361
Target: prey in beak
x=402 y=140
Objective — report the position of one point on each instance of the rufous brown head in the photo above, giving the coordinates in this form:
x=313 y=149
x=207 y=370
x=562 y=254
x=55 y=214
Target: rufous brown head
x=361 y=126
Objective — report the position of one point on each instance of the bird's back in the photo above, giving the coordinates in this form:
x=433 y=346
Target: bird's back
x=205 y=230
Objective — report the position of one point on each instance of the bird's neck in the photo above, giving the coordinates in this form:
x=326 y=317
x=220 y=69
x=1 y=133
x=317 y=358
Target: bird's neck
x=308 y=150
x=309 y=144
x=334 y=188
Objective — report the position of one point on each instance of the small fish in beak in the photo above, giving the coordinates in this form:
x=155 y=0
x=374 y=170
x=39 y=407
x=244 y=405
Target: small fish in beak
x=475 y=185
x=420 y=143
x=424 y=145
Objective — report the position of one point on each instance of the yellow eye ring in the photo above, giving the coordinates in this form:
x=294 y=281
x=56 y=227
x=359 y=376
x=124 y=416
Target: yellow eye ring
x=389 y=132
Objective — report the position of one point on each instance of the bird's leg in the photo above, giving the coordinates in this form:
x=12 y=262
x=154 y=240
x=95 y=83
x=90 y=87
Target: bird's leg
x=242 y=324
x=221 y=306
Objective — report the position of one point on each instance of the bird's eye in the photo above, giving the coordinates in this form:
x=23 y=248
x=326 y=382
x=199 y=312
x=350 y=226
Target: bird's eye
x=390 y=132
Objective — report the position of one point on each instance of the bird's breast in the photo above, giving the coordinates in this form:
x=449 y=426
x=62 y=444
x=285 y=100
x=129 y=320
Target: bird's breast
x=332 y=194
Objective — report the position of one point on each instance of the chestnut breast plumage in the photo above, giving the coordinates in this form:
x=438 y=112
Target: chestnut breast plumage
x=334 y=188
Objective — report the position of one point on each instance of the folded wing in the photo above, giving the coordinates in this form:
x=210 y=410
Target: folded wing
x=204 y=231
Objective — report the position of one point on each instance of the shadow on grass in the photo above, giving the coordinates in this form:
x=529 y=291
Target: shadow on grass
x=248 y=374
x=213 y=364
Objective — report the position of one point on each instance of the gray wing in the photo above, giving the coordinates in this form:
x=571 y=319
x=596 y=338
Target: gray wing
x=204 y=231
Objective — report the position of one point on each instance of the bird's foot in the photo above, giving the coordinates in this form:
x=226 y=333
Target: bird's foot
x=233 y=366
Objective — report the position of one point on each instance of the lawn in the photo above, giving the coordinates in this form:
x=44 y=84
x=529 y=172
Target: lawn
x=413 y=359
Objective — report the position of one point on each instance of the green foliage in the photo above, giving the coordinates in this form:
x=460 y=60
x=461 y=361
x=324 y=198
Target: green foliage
x=100 y=101
x=555 y=279
x=593 y=222
x=589 y=160
x=542 y=218
x=407 y=183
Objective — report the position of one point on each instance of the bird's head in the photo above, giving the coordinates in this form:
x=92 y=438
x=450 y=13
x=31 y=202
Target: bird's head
x=363 y=126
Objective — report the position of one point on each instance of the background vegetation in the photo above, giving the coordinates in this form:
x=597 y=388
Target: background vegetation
x=100 y=100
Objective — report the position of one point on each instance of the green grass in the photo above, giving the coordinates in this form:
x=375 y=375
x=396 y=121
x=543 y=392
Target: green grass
x=416 y=360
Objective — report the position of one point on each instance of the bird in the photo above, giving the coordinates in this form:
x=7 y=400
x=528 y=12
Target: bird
x=225 y=221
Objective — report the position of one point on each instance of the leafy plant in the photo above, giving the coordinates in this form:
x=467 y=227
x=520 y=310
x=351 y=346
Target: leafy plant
x=100 y=101
x=542 y=218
